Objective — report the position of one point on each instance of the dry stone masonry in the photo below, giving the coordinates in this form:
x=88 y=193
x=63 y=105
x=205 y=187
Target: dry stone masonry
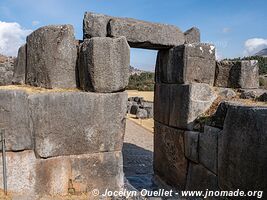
x=6 y=69
x=205 y=137
x=139 y=34
x=65 y=128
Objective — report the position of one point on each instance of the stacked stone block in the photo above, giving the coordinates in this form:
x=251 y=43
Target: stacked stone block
x=237 y=74
x=188 y=155
x=183 y=92
x=68 y=136
x=6 y=69
x=104 y=64
x=20 y=66
x=68 y=140
x=139 y=34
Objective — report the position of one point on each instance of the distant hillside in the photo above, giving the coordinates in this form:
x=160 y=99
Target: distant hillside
x=143 y=81
x=262 y=53
x=134 y=70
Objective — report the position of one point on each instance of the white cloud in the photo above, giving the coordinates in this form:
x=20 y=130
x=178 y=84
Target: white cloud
x=218 y=55
x=254 y=45
x=226 y=30
x=34 y=23
x=12 y=36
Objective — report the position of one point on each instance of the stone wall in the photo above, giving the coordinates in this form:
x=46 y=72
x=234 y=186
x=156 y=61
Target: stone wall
x=6 y=69
x=65 y=128
x=64 y=119
x=206 y=136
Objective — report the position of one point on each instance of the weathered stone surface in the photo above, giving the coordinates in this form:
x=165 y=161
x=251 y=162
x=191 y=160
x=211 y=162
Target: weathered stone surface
x=81 y=173
x=224 y=75
x=21 y=174
x=169 y=161
x=249 y=77
x=141 y=114
x=208 y=148
x=251 y=93
x=57 y=176
x=162 y=103
x=242 y=165
x=263 y=81
x=248 y=95
x=20 y=66
x=263 y=97
x=71 y=123
x=14 y=119
x=150 y=112
x=191 y=145
x=142 y=34
x=220 y=114
x=186 y=64
x=199 y=178
x=134 y=109
x=51 y=57
x=6 y=70
x=227 y=93
x=104 y=64
x=237 y=74
x=129 y=105
x=192 y=35
x=188 y=103
x=95 y=25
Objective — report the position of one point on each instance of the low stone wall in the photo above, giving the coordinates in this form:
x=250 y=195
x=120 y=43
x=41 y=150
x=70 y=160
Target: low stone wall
x=139 y=107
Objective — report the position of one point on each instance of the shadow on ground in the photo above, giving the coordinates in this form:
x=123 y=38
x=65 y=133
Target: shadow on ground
x=138 y=166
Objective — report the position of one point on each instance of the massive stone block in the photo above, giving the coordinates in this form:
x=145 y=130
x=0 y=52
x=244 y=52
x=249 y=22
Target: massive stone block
x=51 y=57
x=95 y=25
x=199 y=178
x=191 y=145
x=139 y=34
x=169 y=161
x=186 y=64
x=79 y=174
x=104 y=64
x=142 y=34
x=188 y=102
x=221 y=112
x=243 y=149
x=14 y=119
x=6 y=70
x=249 y=77
x=223 y=75
x=237 y=74
x=208 y=148
x=21 y=174
x=60 y=175
x=20 y=66
x=71 y=123
x=162 y=103
x=192 y=35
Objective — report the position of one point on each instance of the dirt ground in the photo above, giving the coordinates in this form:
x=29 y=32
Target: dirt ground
x=145 y=123
x=148 y=95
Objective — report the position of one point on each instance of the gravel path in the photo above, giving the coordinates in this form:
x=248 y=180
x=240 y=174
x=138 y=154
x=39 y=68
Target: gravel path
x=138 y=156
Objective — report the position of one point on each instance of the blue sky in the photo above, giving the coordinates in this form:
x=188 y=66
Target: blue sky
x=227 y=24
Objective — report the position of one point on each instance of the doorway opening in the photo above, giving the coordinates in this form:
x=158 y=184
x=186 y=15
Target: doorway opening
x=138 y=142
